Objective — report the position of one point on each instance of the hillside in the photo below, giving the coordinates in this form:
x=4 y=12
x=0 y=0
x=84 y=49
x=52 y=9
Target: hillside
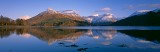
x=151 y=18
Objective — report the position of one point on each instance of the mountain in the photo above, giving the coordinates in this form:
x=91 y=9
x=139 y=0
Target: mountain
x=25 y=17
x=52 y=17
x=49 y=11
x=104 y=19
x=151 y=18
x=140 y=12
x=156 y=10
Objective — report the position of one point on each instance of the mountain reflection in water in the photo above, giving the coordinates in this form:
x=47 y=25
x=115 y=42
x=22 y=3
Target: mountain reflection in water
x=82 y=39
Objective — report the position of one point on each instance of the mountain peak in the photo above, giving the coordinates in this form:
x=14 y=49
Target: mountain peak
x=95 y=15
x=106 y=18
x=49 y=9
x=108 y=15
x=25 y=17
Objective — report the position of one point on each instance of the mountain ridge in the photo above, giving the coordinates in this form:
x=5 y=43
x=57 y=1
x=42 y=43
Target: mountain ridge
x=53 y=18
x=151 y=18
x=103 y=19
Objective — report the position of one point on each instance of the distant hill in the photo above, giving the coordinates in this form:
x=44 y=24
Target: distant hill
x=151 y=18
x=53 y=18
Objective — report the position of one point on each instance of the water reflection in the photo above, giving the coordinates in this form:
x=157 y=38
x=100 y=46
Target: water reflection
x=107 y=34
x=150 y=35
x=5 y=32
x=86 y=39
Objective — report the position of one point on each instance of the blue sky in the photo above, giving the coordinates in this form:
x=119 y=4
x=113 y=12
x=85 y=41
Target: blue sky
x=120 y=8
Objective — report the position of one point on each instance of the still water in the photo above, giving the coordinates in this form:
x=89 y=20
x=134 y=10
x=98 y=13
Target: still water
x=80 y=39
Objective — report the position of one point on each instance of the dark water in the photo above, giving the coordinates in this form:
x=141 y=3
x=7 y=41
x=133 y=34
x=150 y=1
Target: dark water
x=80 y=39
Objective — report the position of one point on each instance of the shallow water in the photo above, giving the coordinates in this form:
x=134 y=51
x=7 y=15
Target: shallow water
x=80 y=39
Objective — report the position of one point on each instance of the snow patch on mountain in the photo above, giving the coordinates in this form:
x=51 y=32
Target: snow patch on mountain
x=49 y=11
x=95 y=15
x=95 y=18
x=25 y=17
x=140 y=12
x=108 y=17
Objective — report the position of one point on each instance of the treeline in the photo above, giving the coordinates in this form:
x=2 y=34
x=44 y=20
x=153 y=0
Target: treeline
x=6 y=21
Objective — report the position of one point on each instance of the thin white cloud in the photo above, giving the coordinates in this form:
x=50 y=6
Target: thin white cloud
x=130 y=7
x=143 y=5
x=104 y=10
x=69 y=11
x=154 y=5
